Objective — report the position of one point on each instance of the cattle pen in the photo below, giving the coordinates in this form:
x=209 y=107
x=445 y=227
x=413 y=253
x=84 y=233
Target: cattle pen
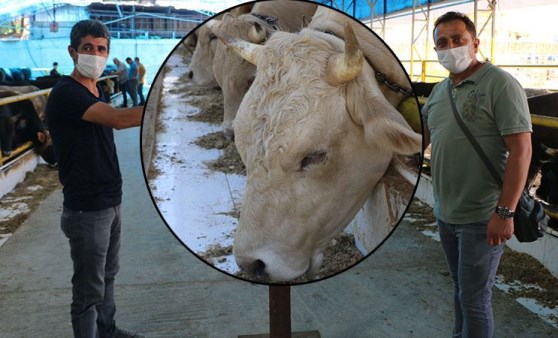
x=171 y=283
x=22 y=159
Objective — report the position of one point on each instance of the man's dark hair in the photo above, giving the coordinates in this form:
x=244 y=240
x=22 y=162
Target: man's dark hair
x=55 y=64
x=88 y=27
x=451 y=16
x=128 y=59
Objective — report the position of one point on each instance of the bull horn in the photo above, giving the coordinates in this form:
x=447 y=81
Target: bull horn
x=345 y=67
x=257 y=33
x=549 y=151
x=248 y=51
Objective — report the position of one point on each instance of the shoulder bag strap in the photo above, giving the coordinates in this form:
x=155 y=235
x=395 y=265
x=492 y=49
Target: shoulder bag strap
x=472 y=140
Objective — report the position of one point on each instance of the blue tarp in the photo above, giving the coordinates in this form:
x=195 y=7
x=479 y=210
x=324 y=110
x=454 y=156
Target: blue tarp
x=360 y=9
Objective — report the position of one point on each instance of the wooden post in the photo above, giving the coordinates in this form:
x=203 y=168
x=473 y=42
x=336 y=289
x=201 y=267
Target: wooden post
x=280 y=311
x=280 y=316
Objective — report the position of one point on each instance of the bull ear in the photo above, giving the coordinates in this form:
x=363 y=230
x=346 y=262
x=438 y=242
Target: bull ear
x=344 y=67
x=257 y=33
x=248 y=51
x=381 y=122
x=244 y=9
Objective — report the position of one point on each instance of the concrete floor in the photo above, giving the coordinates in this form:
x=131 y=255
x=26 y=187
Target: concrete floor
x=162 y=290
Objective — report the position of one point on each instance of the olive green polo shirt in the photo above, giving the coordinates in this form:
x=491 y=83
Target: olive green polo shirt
x=492 y=104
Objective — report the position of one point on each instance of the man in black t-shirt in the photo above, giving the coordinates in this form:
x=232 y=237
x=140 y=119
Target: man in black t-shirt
x=81 y=125
x=54 y=71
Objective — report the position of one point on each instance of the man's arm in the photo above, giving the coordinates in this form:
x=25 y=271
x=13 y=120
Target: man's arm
x=107 y=115
x=425 y=136
x=515 y=176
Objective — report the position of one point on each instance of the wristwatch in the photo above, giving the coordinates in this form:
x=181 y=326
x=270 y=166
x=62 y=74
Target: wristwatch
x=504 y=212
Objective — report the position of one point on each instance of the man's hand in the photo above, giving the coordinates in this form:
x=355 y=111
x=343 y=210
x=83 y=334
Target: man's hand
x=498 y=230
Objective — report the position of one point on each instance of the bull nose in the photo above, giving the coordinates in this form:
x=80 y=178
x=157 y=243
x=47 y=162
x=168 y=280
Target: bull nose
x=252 y=266
x=190 y=74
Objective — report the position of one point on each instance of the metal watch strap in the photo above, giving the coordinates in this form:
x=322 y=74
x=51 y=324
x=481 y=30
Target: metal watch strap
x=504 y=212
x=472 y=140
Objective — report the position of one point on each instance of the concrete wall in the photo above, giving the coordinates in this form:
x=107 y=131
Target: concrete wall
x=383 y=209
x=148 y=128
x=42 y=53
x=14 y=173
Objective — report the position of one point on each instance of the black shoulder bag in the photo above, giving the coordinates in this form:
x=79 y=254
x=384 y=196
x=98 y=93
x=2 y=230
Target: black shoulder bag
x=530 y=220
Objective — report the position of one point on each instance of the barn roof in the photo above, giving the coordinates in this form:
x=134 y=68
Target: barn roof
x=362 y=10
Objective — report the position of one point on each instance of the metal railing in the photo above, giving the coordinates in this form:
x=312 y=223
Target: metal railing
x=27 y=146
x=424 y=68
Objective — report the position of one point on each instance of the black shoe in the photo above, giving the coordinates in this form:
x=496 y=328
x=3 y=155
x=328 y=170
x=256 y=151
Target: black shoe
x=123 y=106
x=120 y=333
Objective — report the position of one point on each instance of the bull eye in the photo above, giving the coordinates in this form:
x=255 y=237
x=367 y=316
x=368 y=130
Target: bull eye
x=316 y=157
x=212 y=37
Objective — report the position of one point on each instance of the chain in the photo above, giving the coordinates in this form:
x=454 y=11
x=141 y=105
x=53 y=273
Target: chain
x=270 y=20
x=393 y=86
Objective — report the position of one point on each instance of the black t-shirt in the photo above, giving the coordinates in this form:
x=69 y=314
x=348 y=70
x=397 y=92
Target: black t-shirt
x=85 y=151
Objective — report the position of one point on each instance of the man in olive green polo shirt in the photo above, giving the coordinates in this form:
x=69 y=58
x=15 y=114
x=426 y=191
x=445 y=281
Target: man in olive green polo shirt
x=494 y=108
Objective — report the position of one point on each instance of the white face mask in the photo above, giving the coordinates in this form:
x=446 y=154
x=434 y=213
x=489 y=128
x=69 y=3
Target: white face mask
x=91 y=66
x=456 y=60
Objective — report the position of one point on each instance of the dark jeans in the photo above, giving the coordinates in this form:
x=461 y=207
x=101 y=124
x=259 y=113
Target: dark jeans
x=125 y=88
x=94 y=245
x=140 y=94
x=473 y=265
x=133 y=86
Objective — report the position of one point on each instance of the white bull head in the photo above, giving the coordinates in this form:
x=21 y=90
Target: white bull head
x=201 y=71
x=316 y=135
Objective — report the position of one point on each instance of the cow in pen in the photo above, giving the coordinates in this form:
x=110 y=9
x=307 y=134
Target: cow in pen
x=213 y=62
x=316 y=134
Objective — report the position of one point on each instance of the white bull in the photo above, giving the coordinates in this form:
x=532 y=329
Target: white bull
x=316 y=134
x=232 y=73
x=201 y=65
x=205 y=44
x=374 y=50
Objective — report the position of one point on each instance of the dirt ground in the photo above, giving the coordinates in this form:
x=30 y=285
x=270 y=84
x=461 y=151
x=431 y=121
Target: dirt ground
x=27 y=196
x=528 y=277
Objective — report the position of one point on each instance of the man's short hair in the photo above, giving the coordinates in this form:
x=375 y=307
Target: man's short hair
x=451 y=16
x=54 y=64
x=128 y=59
x=83 y=28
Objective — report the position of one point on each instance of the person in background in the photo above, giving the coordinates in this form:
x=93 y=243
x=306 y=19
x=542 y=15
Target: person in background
x=141 y=81
x=123 y=81
x=133 y=77
x=81 y=126
x=474 y=214
x=54 y=71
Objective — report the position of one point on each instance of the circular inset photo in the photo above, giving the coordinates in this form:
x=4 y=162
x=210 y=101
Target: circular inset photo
x=282 y=142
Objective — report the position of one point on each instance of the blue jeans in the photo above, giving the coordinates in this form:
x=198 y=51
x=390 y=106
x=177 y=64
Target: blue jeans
x=140 y=94
x=473 y=265
x=133 y=90
x=94 y=245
